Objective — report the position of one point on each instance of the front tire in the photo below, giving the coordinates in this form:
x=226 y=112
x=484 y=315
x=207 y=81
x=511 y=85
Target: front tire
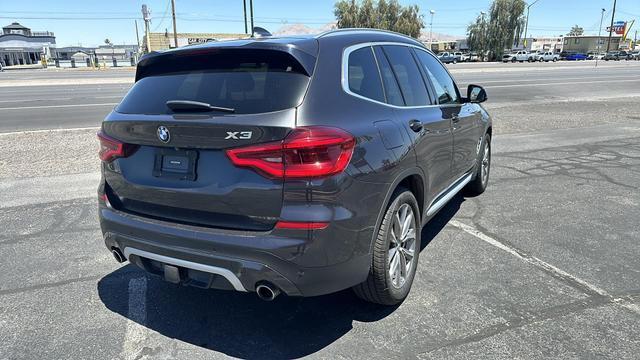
x=395 y=252
x=483 y=167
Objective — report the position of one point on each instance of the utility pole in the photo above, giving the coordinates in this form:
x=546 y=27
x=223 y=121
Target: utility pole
x=251 y=12
x=137 y=35
x=244 y=10
x=526 y=26
x=432 y=12
x=613 y=15
x=173 y=15
x=599 y=35
x=146 y=16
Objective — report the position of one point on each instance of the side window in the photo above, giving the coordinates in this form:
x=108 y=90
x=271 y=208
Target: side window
x=406 y=70
x=394 y=96
x=364 y=78
x=443 y=83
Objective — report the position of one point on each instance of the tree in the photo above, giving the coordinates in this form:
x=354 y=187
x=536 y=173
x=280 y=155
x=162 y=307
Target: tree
x=381 y=14
x=504 y=29
x=576 y=31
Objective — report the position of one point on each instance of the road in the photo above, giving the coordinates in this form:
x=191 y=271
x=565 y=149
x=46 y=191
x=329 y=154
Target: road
x=37 y=99
x=543 y=265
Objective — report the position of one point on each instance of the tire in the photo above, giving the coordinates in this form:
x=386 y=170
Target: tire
x=555 y=59
x=455 y=61
x=381 y=287
x=514 y=60
x=481 y=177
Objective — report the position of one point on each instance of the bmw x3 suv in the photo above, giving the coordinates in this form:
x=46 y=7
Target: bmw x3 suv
x=294 y=165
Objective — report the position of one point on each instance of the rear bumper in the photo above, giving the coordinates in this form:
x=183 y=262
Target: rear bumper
x=232 y=260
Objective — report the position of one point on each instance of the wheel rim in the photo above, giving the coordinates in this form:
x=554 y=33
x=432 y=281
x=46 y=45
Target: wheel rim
x=486 y=162
x=402 y=246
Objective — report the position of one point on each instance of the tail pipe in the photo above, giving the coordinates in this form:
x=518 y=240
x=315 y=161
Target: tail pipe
x=267 y=291
x=118 y=255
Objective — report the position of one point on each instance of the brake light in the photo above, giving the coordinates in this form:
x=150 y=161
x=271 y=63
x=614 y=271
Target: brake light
x=111 y=149
x=307 y=152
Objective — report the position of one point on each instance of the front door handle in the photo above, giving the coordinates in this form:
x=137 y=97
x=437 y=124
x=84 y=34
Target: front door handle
x=415 y=125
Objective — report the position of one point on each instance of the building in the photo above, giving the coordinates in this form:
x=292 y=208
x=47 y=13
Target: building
x=543 y=44
x=584 y=44
x=164 y=41
x=21 y=46
x=440 y=46
x=118 y=52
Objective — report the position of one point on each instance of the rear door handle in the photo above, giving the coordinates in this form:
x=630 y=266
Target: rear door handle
x=415 y=125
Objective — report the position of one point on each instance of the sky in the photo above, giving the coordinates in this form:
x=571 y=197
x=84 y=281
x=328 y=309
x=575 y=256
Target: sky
x=90 y=22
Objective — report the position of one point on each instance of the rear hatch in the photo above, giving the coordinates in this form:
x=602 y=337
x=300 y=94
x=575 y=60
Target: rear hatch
x=174 y=165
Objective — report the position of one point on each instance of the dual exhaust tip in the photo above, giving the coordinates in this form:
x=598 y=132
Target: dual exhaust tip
x=265 y=291
x=118 y=255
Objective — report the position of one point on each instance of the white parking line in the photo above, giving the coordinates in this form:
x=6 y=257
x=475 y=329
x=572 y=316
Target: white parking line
x=57 y=106
x=48 y=130
x=542 y=264
x=564 y=83
x=137 y=317
x=64 y=99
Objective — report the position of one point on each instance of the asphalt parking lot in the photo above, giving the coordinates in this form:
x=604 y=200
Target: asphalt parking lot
x=543 y=265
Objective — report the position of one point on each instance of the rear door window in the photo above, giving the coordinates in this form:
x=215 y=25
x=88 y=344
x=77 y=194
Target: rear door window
x=364 y=78
x=391 y=88
x=406 y=70
x=250 y=82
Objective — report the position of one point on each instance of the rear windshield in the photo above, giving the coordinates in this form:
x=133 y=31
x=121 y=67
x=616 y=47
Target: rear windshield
x=250 y=82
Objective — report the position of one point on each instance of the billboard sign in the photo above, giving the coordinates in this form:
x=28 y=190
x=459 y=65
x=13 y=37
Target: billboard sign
x=619 y=27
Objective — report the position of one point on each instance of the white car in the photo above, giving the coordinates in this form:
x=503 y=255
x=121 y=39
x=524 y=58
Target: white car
x=520 y=56
x=548 y=56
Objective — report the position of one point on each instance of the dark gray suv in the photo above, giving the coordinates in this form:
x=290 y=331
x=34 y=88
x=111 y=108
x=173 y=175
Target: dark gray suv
x=298 y=165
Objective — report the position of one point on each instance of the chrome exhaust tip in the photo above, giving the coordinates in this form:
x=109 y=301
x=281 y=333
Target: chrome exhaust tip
x=267 y=292
x=117 y=254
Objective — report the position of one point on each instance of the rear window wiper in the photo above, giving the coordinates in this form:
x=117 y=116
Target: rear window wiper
x=188 y=105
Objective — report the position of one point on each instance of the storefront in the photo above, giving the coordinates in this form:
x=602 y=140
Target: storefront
x=21 y=46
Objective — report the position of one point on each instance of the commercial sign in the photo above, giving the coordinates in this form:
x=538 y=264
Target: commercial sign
x=619 y=27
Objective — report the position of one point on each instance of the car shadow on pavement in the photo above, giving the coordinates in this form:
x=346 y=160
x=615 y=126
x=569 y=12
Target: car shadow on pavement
x=239 y=324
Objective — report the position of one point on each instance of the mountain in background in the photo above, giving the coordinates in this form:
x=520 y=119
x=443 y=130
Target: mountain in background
x=301 y=29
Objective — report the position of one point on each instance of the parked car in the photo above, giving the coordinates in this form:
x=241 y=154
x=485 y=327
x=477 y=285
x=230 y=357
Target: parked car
x=520 y=56
x=267 y=168
x=635 y=55
x=458 y=55
x=576 y=57
x=465 y=57
x=612 y=55
x=474 y=57
x=447 y=58
x=625 y=55
x=595 y=56
x=548 y=56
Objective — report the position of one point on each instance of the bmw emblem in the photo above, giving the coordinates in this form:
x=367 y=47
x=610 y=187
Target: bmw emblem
x=163 y=134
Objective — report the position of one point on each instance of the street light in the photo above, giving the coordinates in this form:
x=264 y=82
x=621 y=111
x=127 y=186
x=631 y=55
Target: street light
x=526 y=27
x=482 y=31
x=431 y=29
x=599 y=34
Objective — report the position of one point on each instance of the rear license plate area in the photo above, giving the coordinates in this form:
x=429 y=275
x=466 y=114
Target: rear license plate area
x=175 y=164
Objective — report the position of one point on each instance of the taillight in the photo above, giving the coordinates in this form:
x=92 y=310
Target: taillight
x=307 y=152
x=111 y=149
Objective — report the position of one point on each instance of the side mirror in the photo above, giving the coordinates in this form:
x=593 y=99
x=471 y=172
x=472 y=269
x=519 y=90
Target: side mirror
x=476 y=94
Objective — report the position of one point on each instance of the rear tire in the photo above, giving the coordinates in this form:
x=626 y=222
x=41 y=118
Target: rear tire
x=483 y=167
x=396 y=247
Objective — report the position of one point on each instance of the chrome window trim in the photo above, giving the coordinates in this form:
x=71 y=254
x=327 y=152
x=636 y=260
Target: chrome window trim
x=226 y=273
x=345 y=73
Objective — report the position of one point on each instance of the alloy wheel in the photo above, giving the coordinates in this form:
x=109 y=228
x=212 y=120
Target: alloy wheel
x=402 y=246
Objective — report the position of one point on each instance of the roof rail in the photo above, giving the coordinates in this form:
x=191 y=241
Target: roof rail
x=329 y=32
